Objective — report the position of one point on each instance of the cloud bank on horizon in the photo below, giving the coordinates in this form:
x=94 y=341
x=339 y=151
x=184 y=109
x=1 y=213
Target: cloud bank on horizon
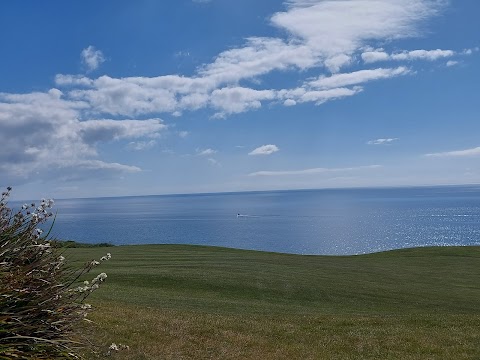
x=341 y=42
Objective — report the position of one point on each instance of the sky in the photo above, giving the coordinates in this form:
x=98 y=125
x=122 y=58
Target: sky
x=117 y=97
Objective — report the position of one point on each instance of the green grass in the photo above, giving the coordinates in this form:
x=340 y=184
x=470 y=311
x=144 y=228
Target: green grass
x=194 y=302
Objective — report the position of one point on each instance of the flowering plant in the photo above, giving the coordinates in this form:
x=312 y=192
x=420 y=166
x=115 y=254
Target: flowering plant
x=42 y=301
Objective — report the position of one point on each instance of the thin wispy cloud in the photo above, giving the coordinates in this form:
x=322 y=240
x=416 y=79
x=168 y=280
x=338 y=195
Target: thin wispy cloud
x=213 y=162
x=264 y=150
x=206 y=152
x=456 y=153
x=452 y=63
x=357 y=77
x=384 y=141
x=313 y=171
x=141 y=145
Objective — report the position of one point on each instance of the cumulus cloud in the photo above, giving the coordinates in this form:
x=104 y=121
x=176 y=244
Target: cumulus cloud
x=321 y=34
x=43 y=130
x=457 y=153
x=264 y=150
x=289 y=102
x=385 y=141
x=92 y=58
x=313 y=171
x=238 y=99
x=93 y=131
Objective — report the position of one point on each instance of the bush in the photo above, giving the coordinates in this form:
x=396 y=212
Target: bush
x=42 y=303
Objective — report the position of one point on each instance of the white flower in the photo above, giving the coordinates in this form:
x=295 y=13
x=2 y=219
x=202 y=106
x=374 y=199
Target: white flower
x=43 y=246
x=113 y=347
x=61 y=258
x=94 y=263
x=106 y=257
x=99 y=278
x=86 y=282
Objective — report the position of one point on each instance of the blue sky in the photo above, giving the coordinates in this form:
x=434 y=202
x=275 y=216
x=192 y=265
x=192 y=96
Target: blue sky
x=118 y=97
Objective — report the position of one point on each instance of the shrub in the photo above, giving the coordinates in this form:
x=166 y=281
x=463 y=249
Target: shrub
x=42 y=303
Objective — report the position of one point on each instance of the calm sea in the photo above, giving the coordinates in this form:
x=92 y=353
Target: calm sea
x=346 y=221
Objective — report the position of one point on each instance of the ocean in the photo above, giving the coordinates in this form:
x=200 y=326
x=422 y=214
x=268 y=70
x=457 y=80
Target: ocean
x=333 y=221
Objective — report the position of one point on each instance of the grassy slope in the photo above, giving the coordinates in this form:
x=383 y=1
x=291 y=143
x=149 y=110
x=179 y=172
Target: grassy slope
x=193 y=302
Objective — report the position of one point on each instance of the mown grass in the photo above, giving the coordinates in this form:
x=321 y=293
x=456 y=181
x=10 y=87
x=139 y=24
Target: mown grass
x=194 y=302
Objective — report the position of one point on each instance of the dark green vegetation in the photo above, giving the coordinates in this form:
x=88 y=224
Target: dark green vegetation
x=75 y=244
x=40 y=310
x=193 y=302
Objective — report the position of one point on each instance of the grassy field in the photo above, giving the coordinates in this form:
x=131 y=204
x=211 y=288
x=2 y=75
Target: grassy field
x=194 y=302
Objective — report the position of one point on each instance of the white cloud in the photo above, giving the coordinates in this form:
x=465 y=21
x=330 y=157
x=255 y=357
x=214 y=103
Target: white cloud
x=100 y=165
x=258 y=56
x=357 y=77
x=332 y=28
x=126 y=97
x=457 y=153
x=429 y=55
x=92 y=58
x=72 y=80
x=375 y=56
x=385 y=141
x=302 y=95
x=183 y=134
x=238 y=99
x=264 y=150
x=452 y=63
x=335 y=63
x=321 y=33
x=206 y=152
x=289 y=102
x=63 y=129
x=93 y=131
x=313 y=171
x=40 y=132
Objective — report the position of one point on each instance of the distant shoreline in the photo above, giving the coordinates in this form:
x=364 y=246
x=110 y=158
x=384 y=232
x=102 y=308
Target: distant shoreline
x=366 y=188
